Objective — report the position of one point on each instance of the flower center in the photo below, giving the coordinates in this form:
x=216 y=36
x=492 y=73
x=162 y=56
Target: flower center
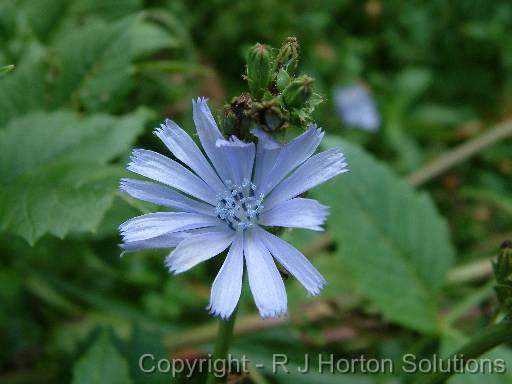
x=238 y=207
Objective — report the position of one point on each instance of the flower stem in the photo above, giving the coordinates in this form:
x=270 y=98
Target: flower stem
x=489 y=338
x=224 y=336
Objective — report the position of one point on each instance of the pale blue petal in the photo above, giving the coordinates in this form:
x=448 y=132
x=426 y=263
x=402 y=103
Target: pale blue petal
x=164 y=170
x=265 y=281
x=267 y=152
x=290 y=156
x=183 y=147
x=167 y=240
x=162 y=195
x=227 y=287
x=197 y=248
x=240 y=157
x=296 y=213
x=155 y=224
x=208 y=135
x=294 y=262
x=356 y=107
x=314 y=171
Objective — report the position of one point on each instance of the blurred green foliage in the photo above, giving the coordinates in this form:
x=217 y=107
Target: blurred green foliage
x=93 y=77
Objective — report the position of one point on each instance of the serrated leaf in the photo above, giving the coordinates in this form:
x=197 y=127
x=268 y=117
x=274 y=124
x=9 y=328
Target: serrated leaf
x=390 y=238
x=102 y=363
x=54 y=173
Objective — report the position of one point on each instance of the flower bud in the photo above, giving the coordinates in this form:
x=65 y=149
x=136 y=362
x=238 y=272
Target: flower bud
x=298 y=92
x=288 y=56
x=259 y=69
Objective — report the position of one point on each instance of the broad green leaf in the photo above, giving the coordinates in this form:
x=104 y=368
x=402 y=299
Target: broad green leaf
x=102 y=363
x=54 y=173
x=57 y=199
x=390 y=238
x=49 y=19
x=148 y=37
x=63 y=135
x=94 y=66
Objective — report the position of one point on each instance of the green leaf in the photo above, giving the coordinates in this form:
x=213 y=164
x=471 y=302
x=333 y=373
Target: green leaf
x=148 y=37
x=23 y=90
x=48 y=19
x=94 y=65
x=390 y=238
x=102 y=363
x=54 y=173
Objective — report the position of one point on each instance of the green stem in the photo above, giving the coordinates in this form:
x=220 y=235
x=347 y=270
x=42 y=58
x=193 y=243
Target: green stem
x=489 y=338
x=220 y=351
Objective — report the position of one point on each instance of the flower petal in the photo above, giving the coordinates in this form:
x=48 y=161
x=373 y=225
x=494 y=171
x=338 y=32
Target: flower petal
x=292 y=155
x=227 y=287
x=240 y=157
x=208 y=135
x=164 y=170
x=198 y=248
x=156 y=224
x=167 y=240
x=267 y=152
x=296 y=213
x=183 y=147
x=265 y=281
x=294 y=262
x=316 y=170
x=162 y=195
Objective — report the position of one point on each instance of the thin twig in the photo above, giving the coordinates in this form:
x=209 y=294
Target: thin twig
x=461 y=153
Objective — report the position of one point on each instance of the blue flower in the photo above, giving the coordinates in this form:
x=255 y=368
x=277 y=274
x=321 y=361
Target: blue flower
x=356 y=107
x=227 y=202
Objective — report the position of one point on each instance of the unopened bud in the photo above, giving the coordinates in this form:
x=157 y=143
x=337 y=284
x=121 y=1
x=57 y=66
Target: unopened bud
x=259 y=69
x=288 y=56
x=298 y=92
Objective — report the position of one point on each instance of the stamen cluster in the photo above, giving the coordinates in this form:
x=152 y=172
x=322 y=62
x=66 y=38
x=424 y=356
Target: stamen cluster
x=238 y=206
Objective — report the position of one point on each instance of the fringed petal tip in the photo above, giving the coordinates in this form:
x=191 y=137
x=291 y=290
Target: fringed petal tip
x=165 y=128
x=273 y=313
x=318 y=131
x=224 y=315
x=321 y=285
x=169 y=265
x=342 y=159
x=200 y=101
